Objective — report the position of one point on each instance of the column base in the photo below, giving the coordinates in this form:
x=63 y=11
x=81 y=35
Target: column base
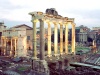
x=73 y=53
x=11 y=53
x=40 y=67
x=49 y=56
x=15 y=55
x=61 y=53
x=34 y=58
x=56 y=55
x=44 y=67
x=66 y=53
x=4 y=52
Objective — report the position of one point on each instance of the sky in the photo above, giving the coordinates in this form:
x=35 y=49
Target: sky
x=85 y=12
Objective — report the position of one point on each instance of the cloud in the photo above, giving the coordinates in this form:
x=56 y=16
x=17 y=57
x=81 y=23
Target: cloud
x=84 y=11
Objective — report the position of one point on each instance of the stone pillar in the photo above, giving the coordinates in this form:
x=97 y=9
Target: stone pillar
x=4 y=41
x=83 y=37
x=61 y=39
x=42 y=54
x=66 y=38
x=15 y=49
x=49 y=40
x=5 y=46
x=1 y=44
x=86 y=36
x=1 y=41
x=55 y=39
x=73 y=38
x=11 y=48
x=34 y=40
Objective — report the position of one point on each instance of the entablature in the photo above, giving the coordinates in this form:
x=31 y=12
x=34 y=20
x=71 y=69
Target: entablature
x=36 y=16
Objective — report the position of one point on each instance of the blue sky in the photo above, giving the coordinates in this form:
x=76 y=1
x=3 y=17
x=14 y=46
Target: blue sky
x=85 y=12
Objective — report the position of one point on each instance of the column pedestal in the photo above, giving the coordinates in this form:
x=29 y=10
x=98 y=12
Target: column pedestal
x=40 y=68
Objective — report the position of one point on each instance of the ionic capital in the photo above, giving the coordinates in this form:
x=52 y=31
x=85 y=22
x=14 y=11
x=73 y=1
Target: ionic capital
x=35 y=20
x=40 y=20
x=55 y=23
x=61 y=24
x=73 y=24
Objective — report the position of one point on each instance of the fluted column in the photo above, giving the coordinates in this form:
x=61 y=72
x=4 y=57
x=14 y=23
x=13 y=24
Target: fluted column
x=61 y=39
x=41 y=40
x=15 y=49
x=55 y=39
x=34 y=40
x=73 y=38
x=66 y=38
x=49 y=40
x=11 y=48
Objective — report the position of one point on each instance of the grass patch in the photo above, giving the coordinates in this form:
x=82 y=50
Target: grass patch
x=22 y=68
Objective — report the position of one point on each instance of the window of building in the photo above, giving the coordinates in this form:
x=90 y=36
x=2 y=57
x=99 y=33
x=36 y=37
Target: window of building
x=28 y=37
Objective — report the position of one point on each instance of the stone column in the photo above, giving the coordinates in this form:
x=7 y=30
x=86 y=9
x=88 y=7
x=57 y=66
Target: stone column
x=34 y=40
x=49 y=40
x=66 y=38
x=86 y=36
x=4 y=40
x=1 y=44
x=73 y=38
x=42 y=54
x=61 y=39
x=5 y=46
x=55 y=39
x=11 y=48
x=1 y=41
x=15 y=49
x=83 y=37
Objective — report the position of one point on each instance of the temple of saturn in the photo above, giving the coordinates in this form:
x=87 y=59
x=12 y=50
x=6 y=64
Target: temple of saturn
x=56 y=20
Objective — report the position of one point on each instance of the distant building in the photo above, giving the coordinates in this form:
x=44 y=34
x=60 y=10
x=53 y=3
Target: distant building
x=2 y=27
x=81 y=34
x=29 y=34
x=22 y=35
x=14 y=42
x=96 y=28
x=95 y=34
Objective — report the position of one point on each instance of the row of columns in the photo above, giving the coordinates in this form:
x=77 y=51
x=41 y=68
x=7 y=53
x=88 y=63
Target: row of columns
x=82 y=37
x=55 y=39
x=4 y=42
x=61 y=39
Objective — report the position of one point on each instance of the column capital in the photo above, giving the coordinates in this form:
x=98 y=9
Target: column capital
x=61 y=24
x=66 y=23
x=48 y=22
x=73 y=24
x=40 y=20
x=55 y=23
x=35 y=20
